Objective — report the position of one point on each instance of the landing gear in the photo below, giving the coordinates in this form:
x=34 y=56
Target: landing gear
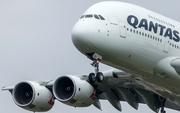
x=97 y=75
x=162 y=103
x=162 y=111
x=92 y=78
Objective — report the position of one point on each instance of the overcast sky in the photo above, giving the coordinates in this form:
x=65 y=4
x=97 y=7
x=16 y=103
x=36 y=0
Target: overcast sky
x=35 y=44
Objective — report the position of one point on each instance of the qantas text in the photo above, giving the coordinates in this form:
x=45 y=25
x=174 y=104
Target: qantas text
x=155 y=27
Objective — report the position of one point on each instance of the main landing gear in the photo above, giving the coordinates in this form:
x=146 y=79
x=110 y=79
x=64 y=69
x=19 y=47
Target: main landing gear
x=162 y=110
x=162 y=103
x=97 y=75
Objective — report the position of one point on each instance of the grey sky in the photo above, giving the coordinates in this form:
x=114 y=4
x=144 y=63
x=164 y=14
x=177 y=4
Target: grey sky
x=35 y=44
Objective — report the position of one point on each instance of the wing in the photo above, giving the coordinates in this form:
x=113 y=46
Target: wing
x=79 y=92
x=121 y=86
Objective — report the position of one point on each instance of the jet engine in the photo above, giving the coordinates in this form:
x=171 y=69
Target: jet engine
x=74 y=91
x=33 y=97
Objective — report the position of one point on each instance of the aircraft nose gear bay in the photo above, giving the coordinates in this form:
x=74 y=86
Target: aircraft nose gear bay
x=141 y=46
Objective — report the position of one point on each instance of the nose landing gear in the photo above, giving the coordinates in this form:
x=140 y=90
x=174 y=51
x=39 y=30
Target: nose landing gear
x=92 y=78
x=97 y=75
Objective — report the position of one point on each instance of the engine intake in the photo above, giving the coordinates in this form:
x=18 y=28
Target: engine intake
x=64 y=89
x=23 y=94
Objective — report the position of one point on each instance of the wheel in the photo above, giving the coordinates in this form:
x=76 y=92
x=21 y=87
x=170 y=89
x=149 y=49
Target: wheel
x=92 y=78
x=99 y=77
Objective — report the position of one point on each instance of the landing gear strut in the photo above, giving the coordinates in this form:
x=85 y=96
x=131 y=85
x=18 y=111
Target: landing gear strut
x=162 y=110
x=97 y=75
x=162 y=101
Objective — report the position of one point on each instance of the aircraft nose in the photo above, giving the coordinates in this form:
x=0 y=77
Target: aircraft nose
x=79 y=36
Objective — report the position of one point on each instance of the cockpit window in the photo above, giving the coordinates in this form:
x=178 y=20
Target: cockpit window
x=96 y=16
x=102 y=18
x=99 y=17
x=82 y=16
x=88 y=16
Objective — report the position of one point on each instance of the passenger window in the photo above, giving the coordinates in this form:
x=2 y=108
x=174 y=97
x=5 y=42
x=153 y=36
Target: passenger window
x=96 y=16
x=102 y=18
x=88 y=16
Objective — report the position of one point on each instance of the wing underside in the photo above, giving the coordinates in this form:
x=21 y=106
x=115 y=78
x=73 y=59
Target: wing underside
x=123 y=87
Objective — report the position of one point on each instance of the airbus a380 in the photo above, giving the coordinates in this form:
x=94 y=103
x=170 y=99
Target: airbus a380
x=143 y=48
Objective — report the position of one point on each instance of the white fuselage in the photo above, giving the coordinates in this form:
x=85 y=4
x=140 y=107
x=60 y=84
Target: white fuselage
x=132 y=39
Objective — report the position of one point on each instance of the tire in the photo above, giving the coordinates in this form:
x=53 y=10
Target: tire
x=99 y=77
x=92 y=78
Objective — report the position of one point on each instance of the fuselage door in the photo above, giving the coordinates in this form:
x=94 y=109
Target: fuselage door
x=166 y=45
x=122 y=28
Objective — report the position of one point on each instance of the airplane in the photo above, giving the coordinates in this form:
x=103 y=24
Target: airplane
x=141 y=46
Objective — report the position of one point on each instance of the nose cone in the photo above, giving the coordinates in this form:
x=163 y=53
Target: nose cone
x=80 y=37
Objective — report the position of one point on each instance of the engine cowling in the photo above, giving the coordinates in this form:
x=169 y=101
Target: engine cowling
x=33 y=97
x=74 y=91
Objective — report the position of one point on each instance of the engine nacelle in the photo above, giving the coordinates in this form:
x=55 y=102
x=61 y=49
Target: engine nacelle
x=33 y=97
x=74 y=91
x=168 y=68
